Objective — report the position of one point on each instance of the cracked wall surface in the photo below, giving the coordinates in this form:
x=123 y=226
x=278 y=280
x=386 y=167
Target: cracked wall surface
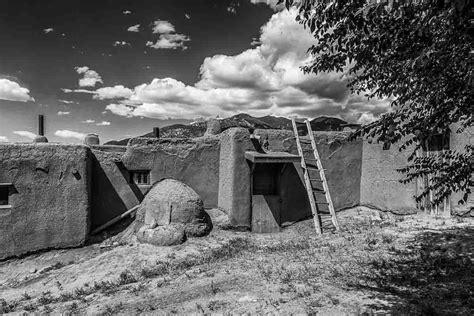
x=49 y=198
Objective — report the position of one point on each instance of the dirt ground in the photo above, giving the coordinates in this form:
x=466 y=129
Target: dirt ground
x=377 y=263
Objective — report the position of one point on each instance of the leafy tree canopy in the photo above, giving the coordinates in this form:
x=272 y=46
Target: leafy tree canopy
x=418 y=54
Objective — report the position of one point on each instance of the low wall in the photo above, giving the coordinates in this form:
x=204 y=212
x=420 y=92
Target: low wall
x=49 y=199
x=380 y=185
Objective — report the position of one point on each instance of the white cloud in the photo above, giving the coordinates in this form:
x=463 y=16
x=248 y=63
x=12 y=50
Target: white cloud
x=121 y=43
x=66 y=101
x=271 y=3
x=187 y=16
x=103 y=123
x=163 y=27
x=91 y=77
x=3 y=139
x=134 y=28
x=266 y=79
x=168 y=38
x=88 y=121
x=48 y=30
x=12 y=91
x=60 y=113
x=169 y=41
x=115 y=92
x=26 y=134
x=70 y=134
x=127 y=12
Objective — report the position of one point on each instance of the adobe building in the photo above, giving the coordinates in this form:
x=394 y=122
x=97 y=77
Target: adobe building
x=55 y=195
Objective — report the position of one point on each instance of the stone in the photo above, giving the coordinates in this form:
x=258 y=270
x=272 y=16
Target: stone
x=213 y=127
x=169 y=235
x=173 y=202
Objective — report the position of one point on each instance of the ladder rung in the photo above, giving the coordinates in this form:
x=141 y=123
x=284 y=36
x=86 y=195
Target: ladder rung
x=306 y=141
x=315 y=180
x=319 y=191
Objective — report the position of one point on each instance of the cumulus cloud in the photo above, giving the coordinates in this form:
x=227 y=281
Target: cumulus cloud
x=103 y=123
x=60 y=113
x=134 y=28
x=121 y=43
x=70 y=134
x=88 y=121
x=90 y=77
x=26 y=134
x=48 y=30
x=168 y=39
x=12 y=91
x=127 y=12
x=266 y=79
x=3 y=139
x=187 y=16
x=162 y=27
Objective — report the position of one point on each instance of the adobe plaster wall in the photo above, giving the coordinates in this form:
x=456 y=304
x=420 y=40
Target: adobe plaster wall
x=458 y=141
x=380 y=186
x=234 y=179
x=340 y=158
x=49 y=199
x=193 y=161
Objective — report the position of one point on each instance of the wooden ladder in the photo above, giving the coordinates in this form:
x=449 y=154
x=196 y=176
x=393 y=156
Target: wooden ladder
x=308 y=164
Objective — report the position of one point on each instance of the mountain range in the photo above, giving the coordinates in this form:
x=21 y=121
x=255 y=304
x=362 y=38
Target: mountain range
x=197 y=129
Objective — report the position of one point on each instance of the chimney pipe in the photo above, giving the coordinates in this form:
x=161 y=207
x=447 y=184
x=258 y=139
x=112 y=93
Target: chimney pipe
x=156 y=132
x=40 y=125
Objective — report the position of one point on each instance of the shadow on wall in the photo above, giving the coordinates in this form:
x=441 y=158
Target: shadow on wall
x=433 y=276
x=106 y=201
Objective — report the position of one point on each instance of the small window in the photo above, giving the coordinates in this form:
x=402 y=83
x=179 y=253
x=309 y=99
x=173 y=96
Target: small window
x=140 y=177
x=4 y=190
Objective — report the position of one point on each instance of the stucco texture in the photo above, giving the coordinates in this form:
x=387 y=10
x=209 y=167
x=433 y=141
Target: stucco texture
x=380 y=186
x=234 y=179
x=112 y=192
x=340 y=158
x=194 y=161
x=458 y=141
x=49 y=198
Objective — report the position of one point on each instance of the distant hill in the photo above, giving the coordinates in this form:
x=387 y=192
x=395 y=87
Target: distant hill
x=322 y=123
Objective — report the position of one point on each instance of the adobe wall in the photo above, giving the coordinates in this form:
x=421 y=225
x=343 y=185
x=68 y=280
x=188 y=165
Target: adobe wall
x=49 y=198
x=194 y=161
x=112 y=194
x=380 y=186
x=234 y=180
x=340 y=158
x=458 y=142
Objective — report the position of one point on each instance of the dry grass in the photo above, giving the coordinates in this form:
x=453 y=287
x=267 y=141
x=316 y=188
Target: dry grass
x=396 y=265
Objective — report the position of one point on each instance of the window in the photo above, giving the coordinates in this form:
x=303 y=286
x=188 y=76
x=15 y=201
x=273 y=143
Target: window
x=140 y=177
x=4 y=190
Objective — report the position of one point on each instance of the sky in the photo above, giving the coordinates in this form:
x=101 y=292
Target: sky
x=118 y=68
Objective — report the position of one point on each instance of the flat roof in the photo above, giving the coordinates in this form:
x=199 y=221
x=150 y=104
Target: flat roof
x=271 y=157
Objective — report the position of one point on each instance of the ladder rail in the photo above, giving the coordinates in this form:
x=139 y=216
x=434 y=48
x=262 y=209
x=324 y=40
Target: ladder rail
x=308 y=186
x=322 y=176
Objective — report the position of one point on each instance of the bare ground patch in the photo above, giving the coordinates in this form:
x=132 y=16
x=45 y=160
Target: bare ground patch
x=377 y=263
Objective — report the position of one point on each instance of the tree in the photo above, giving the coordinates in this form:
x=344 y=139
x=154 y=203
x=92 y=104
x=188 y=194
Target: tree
x=418 y=54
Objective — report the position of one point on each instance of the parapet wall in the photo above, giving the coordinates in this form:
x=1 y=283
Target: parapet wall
x=49 y=200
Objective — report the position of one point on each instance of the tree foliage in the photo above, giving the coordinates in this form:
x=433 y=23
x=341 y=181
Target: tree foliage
x=419 y=55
